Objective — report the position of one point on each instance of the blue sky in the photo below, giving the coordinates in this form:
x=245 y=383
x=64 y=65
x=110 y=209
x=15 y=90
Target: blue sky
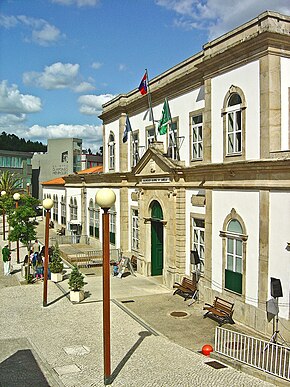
x=60 y=60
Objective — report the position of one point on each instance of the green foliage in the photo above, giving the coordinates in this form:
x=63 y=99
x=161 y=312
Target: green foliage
x=29 y=278
x=21 y=220
x=12 y=142
x=76 y=279
x=10 y=183
x=56 y=265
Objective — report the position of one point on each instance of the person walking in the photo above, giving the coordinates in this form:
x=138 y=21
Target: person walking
x=6 y=256
x=36 y=247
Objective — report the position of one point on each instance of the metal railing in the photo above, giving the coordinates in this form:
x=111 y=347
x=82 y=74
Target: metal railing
x=92 y=258
x=70 y=239
x=266 y=356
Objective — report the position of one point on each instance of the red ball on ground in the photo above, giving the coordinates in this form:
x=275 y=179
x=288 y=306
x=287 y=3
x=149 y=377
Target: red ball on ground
x=207 y=349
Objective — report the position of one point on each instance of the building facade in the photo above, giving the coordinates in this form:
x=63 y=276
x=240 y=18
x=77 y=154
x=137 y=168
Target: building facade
x=63 y=156
x=217 y=183
x=18 y=163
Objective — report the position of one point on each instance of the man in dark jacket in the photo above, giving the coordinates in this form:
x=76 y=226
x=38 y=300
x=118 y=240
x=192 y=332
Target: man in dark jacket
x=6 y=256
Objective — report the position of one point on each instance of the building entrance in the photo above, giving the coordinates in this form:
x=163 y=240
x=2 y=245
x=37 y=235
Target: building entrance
x=156 y=239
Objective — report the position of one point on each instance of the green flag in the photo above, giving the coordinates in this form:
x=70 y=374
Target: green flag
x=166 y=118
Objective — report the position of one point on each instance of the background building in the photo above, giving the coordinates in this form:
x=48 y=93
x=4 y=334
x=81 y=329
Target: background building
x=18 y=163
x=62 y=158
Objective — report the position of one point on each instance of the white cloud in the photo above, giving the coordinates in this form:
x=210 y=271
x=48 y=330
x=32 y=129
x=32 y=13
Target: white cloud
x=122 y=67
x=42 y=32
x=58 y=76
x=96 y=65
x=92 y=104
x=219 y=16
x=92 y=135
x=13 y=102
x=78 y=3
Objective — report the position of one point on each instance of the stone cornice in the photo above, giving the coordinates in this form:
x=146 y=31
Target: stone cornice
x=266 y=34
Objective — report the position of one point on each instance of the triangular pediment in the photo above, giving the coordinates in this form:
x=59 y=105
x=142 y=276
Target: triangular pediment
x=155 y=162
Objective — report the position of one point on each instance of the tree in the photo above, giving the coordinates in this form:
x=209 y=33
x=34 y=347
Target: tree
x=22 y=220
x=56 y=265
x=10 y=183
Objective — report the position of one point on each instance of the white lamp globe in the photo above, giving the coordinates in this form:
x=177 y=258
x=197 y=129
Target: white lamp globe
x=16 y=196
x=47 y=203
x=105 y=197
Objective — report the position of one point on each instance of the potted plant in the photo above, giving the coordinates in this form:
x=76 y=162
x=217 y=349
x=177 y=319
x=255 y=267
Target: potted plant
x=56 y=265
x=76 y=283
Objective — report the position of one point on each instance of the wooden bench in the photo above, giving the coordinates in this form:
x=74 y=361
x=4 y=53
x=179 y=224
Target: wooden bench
x=221 y=311
x=187 y=288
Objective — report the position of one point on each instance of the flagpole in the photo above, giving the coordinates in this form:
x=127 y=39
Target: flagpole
x=150 y=104
x=174 y=132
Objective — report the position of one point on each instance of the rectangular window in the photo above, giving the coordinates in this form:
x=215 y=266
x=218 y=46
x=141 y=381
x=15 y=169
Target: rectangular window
x=198 y=228
x=135 y=148
x=234 y=132
x=91 y=222
x=112 y=227
x=172 y=140
x=150 y=136
x=135 y=230
x=197 y=145
x=97 y=222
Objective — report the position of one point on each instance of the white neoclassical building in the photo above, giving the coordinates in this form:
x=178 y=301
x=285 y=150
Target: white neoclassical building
x=217 y=182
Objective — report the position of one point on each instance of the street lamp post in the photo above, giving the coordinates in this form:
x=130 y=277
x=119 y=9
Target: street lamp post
x=105 y=198
x=28 y=188
x=16 y=197
x=3 y=215
x=47 y=204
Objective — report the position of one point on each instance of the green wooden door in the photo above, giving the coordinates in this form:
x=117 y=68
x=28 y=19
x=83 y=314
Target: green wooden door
x=156 y=240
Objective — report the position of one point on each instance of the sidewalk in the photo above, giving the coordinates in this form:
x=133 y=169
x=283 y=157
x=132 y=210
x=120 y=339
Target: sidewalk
x=61 y=345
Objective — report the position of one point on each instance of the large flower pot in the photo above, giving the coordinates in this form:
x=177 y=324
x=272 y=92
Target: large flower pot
x=77 y=296
x=56 y=277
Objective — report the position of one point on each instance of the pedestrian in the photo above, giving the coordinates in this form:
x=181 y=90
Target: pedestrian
x=6 y=256
x=36 y=246
x=39 y=267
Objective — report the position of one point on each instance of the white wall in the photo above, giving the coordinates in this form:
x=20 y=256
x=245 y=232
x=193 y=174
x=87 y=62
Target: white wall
x=190 y=209
x=246 y=205
x=246 y=78
x=279 y=255
x=55 y=191
x=285 y=85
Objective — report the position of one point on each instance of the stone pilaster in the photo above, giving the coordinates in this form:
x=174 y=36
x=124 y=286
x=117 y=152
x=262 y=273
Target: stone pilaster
x=180 y=231
x=270 y=105
x=207 y=122
x=124 y=220
x=208 y=238
x=123 y=147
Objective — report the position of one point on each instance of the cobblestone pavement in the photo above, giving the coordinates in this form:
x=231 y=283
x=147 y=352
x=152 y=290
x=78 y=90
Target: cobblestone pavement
x=65 y=340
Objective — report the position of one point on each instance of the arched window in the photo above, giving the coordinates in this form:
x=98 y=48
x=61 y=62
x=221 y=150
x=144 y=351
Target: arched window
x=111 y=146
x=234 y=113
x=97 y=220
x=234 y=124
x=91 y=218
x=55 y=208
x=112 y=213
x=73 y=209
x=235 y=252
x=63 y=210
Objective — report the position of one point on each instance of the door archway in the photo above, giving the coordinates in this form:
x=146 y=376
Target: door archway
x=156 y=239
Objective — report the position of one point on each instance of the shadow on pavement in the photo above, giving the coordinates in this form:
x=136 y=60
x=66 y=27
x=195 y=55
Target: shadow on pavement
x=21 y=370
x=119 y=367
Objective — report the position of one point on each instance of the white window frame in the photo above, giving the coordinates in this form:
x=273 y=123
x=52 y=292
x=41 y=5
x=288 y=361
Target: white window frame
x=198 y=240
x=197 y=140
x=135 y=229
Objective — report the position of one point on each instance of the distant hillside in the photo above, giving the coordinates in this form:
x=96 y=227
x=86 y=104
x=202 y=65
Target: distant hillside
x=13 y=143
